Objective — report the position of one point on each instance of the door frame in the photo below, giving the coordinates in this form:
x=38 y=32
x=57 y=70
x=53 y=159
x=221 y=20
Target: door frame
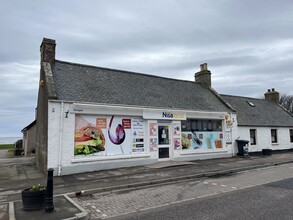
x=166 y=145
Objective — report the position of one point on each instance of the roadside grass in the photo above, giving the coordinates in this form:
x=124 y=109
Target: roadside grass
x=6 y=146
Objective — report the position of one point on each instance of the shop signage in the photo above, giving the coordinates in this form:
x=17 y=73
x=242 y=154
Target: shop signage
x=166 y=115
x=108 y=135
x=126 y=123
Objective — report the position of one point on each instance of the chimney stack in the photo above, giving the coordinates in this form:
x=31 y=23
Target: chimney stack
x=47 y=50
x=203 y=76
x=272 y=95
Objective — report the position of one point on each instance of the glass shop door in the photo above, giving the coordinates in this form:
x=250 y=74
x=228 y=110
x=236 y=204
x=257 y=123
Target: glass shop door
x=164 y=141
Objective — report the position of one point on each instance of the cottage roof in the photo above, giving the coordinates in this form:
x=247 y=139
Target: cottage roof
x=259 y=112
x=90 y=84
x=29 y=126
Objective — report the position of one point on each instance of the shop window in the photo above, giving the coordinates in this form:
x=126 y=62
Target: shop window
x=210 y=128
x=204 y=125
x=218 y=126
x=274 y=136
x=201 y=125
x=185 y=126
x=291 y=135
x=253 y=136
x=198 y=126
x=215 y=125
x=194 y=124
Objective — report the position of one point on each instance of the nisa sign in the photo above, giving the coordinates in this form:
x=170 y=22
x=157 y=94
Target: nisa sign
x=173 y=115
x=166 y=115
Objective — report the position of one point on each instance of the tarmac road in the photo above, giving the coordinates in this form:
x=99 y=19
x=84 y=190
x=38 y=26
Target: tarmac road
x=257 y=194
x=270 y=201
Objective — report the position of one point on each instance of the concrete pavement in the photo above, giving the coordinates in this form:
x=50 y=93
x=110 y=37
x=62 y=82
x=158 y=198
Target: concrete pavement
x=65 y=208
x=20 y=173
x=6 y=153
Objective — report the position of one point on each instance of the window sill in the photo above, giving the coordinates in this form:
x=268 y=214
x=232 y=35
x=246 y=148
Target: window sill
x=275 y=143
x=106 y=158
x=203 y=152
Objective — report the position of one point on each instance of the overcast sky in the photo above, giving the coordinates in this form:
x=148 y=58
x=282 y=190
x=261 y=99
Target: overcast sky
x=248 y=45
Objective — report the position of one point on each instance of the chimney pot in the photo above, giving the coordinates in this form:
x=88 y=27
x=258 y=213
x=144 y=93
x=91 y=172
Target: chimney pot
x=273 y=89
x=269 y=90
x=205 y=66
x=201 y=67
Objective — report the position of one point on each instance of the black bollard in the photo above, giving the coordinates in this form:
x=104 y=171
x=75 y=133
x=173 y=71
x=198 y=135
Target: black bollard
x=49 y=206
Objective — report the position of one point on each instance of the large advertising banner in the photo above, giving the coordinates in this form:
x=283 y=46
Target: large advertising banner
x=108 y=135
x=192 y=141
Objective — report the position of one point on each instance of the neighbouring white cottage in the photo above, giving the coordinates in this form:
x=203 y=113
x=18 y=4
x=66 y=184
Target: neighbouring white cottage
x=263 y=122
x=93 y=118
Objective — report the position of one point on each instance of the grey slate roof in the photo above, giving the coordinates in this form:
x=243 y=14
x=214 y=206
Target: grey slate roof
x=265 y=113
x=89 y=84
x=29 y=126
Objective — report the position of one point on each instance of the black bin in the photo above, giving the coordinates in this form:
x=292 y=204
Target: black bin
x=242 y=148
x=267 y=152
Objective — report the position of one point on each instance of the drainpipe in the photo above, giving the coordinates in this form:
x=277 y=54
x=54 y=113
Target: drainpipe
x=60 y=139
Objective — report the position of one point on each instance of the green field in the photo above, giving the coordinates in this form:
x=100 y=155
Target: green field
x=6 y=146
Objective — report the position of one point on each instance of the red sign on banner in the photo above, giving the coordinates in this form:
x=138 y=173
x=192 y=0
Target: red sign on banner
x=126 y=123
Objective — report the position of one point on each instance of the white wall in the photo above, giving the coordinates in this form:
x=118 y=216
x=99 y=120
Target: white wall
x=61 y=131
x=234 y=133
x=64 y=136
x=263 y=138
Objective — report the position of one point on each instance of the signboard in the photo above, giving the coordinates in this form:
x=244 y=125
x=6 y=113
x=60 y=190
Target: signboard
x=97 y=135
x=101 y=123
x=126 y=123
x=192 y=141
x=153 y=134
x=138 y=134
x=177 y=135
x=164 y=115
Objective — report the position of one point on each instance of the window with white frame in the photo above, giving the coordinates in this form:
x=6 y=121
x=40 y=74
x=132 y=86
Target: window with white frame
x=274 y=136
x=252 y=136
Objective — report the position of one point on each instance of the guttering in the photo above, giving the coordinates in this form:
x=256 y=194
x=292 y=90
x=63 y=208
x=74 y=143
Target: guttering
x=266 y=126
x=60 y=139
x=100 y=105
x=140 y=108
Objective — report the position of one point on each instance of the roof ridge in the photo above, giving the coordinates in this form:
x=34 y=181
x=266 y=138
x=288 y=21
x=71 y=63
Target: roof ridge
x=236 y=96
x=286 y=110
x=221 y=99
x=124 y=71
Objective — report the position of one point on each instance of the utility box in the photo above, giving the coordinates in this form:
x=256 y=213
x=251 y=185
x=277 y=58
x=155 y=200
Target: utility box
x=242 y=147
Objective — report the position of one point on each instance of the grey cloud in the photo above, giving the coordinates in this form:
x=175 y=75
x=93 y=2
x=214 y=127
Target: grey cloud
x=247 y=44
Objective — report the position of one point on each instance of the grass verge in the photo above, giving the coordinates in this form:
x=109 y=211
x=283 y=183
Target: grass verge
x=6 y=146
